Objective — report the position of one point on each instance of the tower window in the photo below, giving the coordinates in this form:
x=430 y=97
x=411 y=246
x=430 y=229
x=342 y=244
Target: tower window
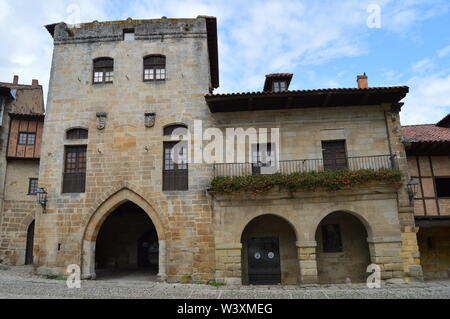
x=279 y=86
x=103 y=70
x=155 y=68
x=128 y=34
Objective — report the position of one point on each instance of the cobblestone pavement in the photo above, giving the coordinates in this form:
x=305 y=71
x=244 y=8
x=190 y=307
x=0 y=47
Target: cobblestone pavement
x=18 y=283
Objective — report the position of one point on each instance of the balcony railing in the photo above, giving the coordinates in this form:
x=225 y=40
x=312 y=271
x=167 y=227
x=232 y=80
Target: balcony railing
x=310 y=165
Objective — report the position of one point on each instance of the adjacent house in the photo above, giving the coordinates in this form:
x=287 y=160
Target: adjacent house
x=428 y=151
x=22 y=122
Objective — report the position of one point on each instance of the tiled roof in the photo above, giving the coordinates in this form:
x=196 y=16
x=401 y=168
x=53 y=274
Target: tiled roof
x=280 y=75
x=426 y=133
x=335 y=90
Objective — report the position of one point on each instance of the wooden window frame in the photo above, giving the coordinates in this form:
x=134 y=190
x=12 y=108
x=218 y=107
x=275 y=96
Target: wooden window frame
x=174 y=178
x=154 y=67
x=79 y=134
x=27 y=134
x=77 y=172
x=276 y=86
x=30 y=186
x=335 y=249
x=336 y=168
x=103 y=70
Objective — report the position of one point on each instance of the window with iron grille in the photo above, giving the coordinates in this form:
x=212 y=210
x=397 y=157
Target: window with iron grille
x=443 y=187
x=74 y=180
x=176 y=168
x=155 y=68
x=77 y=134
x=27 y=138
x=332 y=239
x=103 y=70
x=33 y=186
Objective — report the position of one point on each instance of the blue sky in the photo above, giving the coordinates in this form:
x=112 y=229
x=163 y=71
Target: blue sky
x=325 y=43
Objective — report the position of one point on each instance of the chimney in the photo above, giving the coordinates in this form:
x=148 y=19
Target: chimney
x=16 y=79
x=35 y=82
x=363 y=81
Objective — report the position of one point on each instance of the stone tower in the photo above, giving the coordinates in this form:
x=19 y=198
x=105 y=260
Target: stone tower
x=115 y=88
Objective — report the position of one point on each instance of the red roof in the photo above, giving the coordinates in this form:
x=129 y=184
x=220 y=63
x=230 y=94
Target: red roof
x=426 y=133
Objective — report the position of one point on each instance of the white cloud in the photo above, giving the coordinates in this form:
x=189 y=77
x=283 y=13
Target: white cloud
x=444 y=52
x=429 y=100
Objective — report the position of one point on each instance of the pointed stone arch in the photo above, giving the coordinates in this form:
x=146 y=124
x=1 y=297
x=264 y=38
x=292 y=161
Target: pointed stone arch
x=103 y=211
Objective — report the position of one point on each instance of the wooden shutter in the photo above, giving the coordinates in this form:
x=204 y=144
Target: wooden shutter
x=175 y=175
x=334 y=155
x=74 y=180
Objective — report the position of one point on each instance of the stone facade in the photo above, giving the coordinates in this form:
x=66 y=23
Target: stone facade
x=203 y=236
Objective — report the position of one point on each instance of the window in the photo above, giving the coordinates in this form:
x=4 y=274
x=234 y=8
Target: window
x=443 y=187
x=128 y=34
x=176 y=168
x=103 y=70
x=262 y=156
x=332 y=239
x=77 y=134
x=334 y=155
x=279 y=86
x=155 y=68
x=74 y=180
x=169 y=130
x=33 y=186
x=27 y=138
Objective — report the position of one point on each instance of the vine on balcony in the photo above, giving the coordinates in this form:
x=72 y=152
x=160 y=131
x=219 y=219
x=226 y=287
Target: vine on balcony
x=311 y=181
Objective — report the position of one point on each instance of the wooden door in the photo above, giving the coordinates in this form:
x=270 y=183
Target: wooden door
x=264 y=266
x=30 y=245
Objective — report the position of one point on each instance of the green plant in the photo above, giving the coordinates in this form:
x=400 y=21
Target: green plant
x=216 y=284
x=309 y=181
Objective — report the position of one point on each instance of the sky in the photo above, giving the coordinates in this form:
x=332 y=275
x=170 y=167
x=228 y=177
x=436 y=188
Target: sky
x=325 y=43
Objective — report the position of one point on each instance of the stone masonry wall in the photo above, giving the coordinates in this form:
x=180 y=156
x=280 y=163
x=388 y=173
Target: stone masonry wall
x=126 y=152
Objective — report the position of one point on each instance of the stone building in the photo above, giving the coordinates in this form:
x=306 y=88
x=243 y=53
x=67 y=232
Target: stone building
x=119 y=200
x=22 y=120
x=428 y=151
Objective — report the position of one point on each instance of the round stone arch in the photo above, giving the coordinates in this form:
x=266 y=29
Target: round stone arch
x=279 y=234
x=246 y=221
x=343 y=247
x=361 y=218
x=102 y=213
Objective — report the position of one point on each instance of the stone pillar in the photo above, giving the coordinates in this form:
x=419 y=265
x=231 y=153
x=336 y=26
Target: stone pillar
x=229 y=264
x=88 y=260
x=162 y=274
x=307 y=262
x=411 y=255
x=387 y=255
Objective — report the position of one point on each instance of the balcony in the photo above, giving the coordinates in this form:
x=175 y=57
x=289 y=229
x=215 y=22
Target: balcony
x=379 y=162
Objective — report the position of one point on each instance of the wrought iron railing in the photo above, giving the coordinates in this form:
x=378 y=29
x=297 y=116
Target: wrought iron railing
x=310 y=165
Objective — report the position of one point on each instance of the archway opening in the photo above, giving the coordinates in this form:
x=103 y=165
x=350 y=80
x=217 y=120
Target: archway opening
x=29 y=254
x=269 y=252
x=127 y=245
x=343 y=253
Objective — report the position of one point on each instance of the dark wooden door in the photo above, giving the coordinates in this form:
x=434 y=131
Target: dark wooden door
x=334 y=155
x=264 y=267
x=30 y=245
x=262 y=157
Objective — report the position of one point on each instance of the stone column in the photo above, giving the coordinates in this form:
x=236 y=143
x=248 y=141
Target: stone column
x=229 y=264
x=387 y=255
x=307 y=262
x=88 y=260
x=162 y=274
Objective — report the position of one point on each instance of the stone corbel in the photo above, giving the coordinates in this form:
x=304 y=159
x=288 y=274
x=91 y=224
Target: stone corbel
x=101 y=120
